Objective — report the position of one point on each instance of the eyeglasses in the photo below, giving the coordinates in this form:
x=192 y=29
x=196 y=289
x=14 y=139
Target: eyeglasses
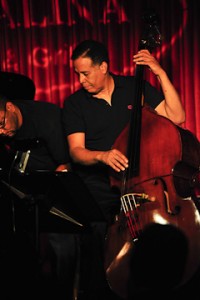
x=3 y=122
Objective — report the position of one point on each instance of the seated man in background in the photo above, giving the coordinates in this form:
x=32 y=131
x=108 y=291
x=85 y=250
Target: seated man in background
x=23 y=123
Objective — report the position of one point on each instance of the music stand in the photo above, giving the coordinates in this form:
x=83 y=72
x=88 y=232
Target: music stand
x=67 y=193
x=61 y=200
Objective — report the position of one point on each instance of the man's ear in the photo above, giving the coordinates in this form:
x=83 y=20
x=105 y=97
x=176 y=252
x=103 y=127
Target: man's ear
x=104 y=67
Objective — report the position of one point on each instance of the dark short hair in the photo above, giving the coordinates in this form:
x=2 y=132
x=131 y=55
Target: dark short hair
x=92 y=49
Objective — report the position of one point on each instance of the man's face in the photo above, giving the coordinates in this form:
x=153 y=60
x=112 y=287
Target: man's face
x=8 y=120
x=91 y=76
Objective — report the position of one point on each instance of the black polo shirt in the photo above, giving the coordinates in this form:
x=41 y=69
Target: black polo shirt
x=101 y=122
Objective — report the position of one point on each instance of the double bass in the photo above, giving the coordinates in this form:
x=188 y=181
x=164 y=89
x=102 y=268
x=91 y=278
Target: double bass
x=154 y=241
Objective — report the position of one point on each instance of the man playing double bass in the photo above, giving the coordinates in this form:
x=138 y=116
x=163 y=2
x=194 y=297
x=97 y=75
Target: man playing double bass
x=94 y=116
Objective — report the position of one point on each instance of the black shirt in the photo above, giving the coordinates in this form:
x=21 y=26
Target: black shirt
x=101 y=122
x=41 y=122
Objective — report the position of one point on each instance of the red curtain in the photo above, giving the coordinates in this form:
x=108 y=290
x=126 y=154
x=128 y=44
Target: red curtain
x=37 y=38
